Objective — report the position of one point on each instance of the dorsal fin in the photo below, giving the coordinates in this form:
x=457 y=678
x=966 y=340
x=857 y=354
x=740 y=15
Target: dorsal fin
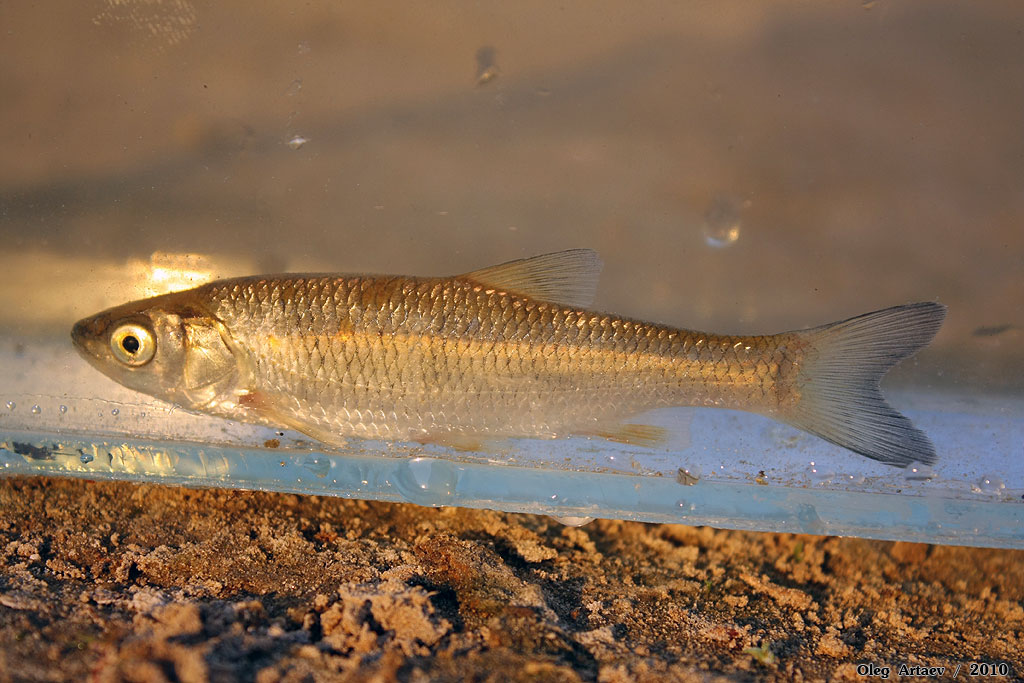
x=564 y=277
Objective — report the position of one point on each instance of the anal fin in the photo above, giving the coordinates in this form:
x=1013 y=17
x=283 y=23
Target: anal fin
x=648 y=436
x=464 y=442
x=661 y=428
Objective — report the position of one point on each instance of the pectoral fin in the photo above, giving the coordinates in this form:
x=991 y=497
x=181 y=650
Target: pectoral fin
x=266 y=409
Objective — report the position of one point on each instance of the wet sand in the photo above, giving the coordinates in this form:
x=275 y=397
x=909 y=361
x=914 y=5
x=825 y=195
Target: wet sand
x=122 y=582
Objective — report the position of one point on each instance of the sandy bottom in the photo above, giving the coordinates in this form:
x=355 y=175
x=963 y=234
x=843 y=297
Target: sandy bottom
x=149 y=583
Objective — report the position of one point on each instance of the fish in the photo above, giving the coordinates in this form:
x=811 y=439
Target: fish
x=506 y=351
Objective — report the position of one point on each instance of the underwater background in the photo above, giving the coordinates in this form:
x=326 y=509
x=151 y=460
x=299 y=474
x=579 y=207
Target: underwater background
x=742 y=167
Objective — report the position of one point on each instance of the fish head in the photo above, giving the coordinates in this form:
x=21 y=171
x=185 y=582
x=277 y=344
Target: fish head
x=166 y=347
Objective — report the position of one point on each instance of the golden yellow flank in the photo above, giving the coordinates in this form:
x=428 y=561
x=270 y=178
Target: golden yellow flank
x=506 y=351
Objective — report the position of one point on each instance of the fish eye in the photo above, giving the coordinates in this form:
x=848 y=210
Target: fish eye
x=133 y=344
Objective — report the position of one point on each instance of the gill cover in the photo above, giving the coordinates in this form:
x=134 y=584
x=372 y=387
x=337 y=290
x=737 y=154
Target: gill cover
x=209 y=369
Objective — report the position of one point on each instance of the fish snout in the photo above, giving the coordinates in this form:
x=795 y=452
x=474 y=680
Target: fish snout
x=88 y=332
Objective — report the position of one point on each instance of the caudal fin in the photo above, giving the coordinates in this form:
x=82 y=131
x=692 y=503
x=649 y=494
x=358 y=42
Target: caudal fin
x=841 y=400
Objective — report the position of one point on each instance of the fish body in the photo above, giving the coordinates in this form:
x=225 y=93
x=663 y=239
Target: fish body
x=508 y=351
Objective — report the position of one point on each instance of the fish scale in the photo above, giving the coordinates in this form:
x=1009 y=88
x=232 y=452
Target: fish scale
x=392 y=338
x=505 y=351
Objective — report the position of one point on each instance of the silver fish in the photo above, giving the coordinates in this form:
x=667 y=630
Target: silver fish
x=506 y=351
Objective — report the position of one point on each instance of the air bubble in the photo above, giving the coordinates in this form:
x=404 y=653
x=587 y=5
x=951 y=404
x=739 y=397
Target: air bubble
x=722 y=222
x=809 y=521
x=990 y=483
x=573 y=521
x=319 y=467
x=86 y=458
x=486 y=67
x=115 y=412
x=783 y=435
x=819 y=475
x=63 y=409
x=11 y=405
x=36 y=409
x=919 y=472
x=687 y=477
x=427 y=481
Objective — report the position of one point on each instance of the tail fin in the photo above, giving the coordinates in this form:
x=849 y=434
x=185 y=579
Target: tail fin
x=841 y=398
